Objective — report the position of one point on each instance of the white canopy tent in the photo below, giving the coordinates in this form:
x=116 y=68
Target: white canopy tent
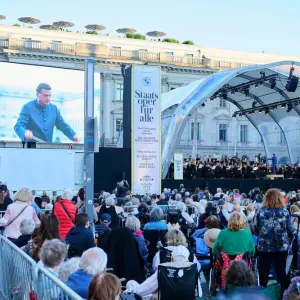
x=178 y=104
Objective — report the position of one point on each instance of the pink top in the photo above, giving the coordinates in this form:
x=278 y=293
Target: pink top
x=13 y=230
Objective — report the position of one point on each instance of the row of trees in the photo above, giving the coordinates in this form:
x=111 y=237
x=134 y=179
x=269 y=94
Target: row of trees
x=139 y=36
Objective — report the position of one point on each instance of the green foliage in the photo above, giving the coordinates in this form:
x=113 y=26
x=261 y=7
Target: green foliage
x=203 y=56
x=136 y=36
x=92 y=32
x=16 y=25
x=168 y=40
x=139 y=36
x=188 y=42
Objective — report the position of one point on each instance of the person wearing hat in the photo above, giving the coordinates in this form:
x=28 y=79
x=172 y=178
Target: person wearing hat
x=17 y=212
x=80 y=237
x=4 y=198
x=102 y=230
x=210 y=237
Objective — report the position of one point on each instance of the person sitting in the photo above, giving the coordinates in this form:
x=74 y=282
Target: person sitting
x=48 y=230
x=175 y=238
x=179 y=255
x=109 y=208
x=67 y=268
x=239 y=279
x=295 y=210
x=37 y=204
x=27 y=227
x=4 y=198
x=92 y=262
x=134 y=224
x=52 y=254
x=293 y=291
x=80 y=238
x=156 y=220
x=236 y=239
x=186 y=217
x=105 y=287
x=210 y=209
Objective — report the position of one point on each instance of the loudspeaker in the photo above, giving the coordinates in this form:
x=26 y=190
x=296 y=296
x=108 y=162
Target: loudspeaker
x=292 y=84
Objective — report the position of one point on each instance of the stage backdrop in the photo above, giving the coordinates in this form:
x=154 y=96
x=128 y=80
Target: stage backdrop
x=146 y=135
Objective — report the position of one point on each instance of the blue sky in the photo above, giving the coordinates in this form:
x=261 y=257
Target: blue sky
x=254 y=25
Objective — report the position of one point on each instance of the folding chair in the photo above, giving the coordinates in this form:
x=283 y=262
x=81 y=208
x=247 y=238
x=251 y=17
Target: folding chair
x=178 y=281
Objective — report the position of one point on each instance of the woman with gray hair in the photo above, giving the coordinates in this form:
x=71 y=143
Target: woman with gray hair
x=134 y=224
x=182 y=208
x=156 y=220
x=67 y=268
x=109 y=208
x=27 y=227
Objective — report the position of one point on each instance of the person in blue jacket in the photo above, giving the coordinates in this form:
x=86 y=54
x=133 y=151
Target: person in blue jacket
x=274 y=163
x=38 y=117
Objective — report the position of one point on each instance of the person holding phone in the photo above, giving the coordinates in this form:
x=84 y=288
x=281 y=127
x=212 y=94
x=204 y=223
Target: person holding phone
x=38 y=118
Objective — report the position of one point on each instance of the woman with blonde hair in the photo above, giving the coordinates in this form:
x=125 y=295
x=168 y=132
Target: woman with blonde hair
x=236 y=239
x=17 y=212
x=273 y=226
x=175 y=238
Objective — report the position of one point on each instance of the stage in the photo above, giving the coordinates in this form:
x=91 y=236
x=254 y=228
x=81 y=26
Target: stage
x=114 y=164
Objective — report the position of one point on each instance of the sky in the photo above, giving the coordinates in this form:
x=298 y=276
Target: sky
x=253 y=25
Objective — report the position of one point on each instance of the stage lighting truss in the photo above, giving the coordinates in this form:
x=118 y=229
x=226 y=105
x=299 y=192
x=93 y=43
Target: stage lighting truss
x=268 y=108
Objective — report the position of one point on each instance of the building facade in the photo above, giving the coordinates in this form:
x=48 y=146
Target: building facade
x=214 y=129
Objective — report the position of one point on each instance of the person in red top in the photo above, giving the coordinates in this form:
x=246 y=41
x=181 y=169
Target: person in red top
x=65 y=210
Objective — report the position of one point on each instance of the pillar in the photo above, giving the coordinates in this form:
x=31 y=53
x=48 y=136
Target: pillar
x=107 y=79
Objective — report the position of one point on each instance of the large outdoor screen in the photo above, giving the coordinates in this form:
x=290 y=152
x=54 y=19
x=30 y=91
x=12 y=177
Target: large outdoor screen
x=43 y=104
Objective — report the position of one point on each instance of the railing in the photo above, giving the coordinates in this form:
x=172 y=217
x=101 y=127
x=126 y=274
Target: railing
x=98 y=51
x=20 y=276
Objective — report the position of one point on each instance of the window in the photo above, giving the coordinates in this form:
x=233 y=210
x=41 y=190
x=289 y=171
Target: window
x=170 y=53
x=119 y=91
x=223 y=132
x=189 y=55
x=118 y=127
x=222 y=102
x=281 y=138
x=197 y=131
x=244 y=133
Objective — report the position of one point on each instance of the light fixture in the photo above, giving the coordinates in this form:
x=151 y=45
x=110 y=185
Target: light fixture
x=254 y=104
x=260 y=110
x=246 y=91
x=267 y=112
x=283 y=105
x=290 y=107
x=203 y=104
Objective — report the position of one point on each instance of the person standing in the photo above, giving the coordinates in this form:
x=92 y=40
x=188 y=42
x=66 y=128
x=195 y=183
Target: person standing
x=274 y=163
x=273 y=226
x=65 y=210
x=38 y=118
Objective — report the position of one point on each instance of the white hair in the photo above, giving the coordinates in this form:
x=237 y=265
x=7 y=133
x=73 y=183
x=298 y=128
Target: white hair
x=93 y=261
x=178 y=197
x=106 y=195
x=67 y=194
x=203 y=202
x=135 y=201
x=27 y=226
x=181 y=206
x=133 y=223
x=162 y=196
x=219 y=190
x=67 y=268
x=110 y=201
x=187 y=194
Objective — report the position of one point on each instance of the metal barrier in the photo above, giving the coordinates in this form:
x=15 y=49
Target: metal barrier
x=51 y=287
x=20 y=275
x=17 y=271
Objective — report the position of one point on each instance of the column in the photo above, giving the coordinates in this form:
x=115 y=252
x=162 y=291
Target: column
x=164 y=84
x=107 y=78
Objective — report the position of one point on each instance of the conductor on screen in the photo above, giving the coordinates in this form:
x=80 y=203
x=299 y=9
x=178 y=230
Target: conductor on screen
x=38 y=117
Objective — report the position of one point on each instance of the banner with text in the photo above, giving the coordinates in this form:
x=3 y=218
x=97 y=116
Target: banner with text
x=146 y=135
x=178 y=166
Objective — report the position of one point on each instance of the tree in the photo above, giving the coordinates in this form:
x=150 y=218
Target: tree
x=16 y=25
x=169 y=40
x=130 y=35
x=92 y=32
x=188 y=42
x=203 y=56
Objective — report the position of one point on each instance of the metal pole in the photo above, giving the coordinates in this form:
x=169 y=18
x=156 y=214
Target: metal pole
x=88 y=154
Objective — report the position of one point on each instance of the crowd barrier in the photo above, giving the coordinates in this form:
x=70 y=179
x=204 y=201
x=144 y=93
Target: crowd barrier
x=21 y=276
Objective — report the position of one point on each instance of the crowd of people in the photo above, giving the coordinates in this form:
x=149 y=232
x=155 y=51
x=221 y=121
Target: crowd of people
x=235 y=168
x=236 y=236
